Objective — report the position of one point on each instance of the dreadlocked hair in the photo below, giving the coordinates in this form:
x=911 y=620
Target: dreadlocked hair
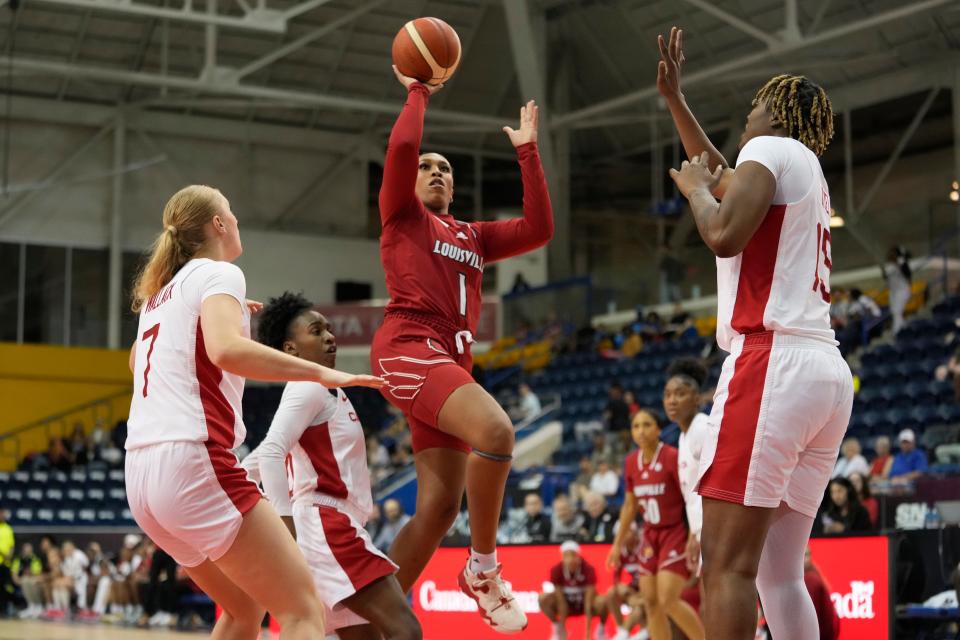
x=692 y=368
x=275 y=319
x=802 y=107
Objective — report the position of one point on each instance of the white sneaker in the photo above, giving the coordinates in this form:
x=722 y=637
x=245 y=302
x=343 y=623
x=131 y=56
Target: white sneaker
x=622 y=634
x=643 y=634
x=497 y=605
x=599 y=633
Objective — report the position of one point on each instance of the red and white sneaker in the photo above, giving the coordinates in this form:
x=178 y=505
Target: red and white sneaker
x=497 y=605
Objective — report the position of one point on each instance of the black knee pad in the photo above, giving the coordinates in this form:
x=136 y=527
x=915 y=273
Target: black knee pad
x=496 y=457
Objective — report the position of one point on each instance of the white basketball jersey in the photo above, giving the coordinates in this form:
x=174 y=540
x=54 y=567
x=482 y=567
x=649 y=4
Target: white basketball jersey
x=179 y=395
x=317 y=433
x=781 y=281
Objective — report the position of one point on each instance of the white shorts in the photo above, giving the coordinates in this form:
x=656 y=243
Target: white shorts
x=189 y=498
x=341 y=557
x=779 y=415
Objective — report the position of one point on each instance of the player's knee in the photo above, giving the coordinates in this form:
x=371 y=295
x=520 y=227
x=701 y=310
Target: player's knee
x=408 y=627
x=498 y=438
x=440 y=510
x=246 y=617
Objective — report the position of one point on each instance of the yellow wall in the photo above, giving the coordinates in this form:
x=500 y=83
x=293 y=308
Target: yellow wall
x=38 y=381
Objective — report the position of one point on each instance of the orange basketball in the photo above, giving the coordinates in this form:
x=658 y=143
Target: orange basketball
x=427 y=49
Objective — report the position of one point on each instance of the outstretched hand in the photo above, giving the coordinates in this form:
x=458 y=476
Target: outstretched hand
x=529 y=120
x=670 y=65
x=332 y=378
x=695 y=174
x=406 y=81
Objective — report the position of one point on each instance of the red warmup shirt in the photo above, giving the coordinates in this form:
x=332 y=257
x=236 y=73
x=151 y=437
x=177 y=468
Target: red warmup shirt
x=656 y=486
x=434 y=263
x=574 y=585
x=827 y=617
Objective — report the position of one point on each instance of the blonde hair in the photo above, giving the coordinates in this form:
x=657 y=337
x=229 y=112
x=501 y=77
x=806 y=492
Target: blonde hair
x=184 y=218
x=802 y=107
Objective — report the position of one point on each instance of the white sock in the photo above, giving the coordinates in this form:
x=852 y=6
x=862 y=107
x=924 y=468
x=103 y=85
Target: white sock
x=482 y=561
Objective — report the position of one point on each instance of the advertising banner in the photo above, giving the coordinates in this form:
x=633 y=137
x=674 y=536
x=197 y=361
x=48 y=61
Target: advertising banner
x=855 y=569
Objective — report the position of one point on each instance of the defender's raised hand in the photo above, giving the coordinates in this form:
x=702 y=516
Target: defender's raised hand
x=670 y=65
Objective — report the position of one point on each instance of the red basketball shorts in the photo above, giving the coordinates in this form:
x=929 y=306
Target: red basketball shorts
x=664 y=549
x=422 y=366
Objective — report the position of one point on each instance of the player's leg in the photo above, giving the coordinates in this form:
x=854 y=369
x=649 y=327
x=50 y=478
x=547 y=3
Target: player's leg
x=614 y=601
x=358 y=632
x=471 y=414
x=385 y=606
x=657 y=621
x=732 y=540
x=241 y=616
x=669 y=587
x=548 y=605
x=786 y=602
x=278 y=580
x=440 y=480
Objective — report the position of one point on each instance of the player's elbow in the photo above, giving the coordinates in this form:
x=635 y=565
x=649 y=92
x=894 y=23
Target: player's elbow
x=221 y=352
x=723 y=245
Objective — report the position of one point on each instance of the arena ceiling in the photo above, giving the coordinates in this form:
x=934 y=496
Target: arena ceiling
x=324 y=65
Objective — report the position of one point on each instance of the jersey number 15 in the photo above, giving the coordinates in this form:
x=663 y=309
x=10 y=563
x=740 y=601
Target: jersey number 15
x=823 y=247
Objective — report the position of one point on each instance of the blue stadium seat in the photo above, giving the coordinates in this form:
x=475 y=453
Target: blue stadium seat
x=66 y=517
x=22 y=515
x=87 y=516
x=44 y=516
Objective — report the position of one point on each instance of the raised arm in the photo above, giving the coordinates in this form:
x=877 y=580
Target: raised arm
x=692 y=135
x=507 y=238
x=398 y=190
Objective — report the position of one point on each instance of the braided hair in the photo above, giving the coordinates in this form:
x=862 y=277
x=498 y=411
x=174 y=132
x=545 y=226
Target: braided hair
x=277 y=317
x=802 y=106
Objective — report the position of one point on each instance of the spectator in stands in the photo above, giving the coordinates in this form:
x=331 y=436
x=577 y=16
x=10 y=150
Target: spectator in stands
x=374 y=522
x=566 y=522
x=378 y=458
x=897 y=273
x=27 y=573
x=603 y=449
x=110 y=452
x=160 y=591
x=632 y=343
x=844 y=513
x=59 y=456
x=616 y=415
x=819 y=591
x=864 y=314
x=880 y=467
x=79 y=446
x=599 y=521
x=581 y=484
x=394 y=520
x=535 y=526
x=529 y=405
x=631 y=399
x=948 y=453
x=839 y=307
x=60 y=596
x=73 y=566
x=101 y=582
x=605 y=480
x=951 y=371
x=862 y=487
x=863 y=305
x=851 y=460
x=911 y=462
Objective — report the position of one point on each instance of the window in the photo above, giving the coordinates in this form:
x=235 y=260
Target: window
x=43 y=318
x=9 y=291
x=89 y=297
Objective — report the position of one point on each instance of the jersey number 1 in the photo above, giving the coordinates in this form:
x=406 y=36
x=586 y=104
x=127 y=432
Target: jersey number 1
x=151 y=333
x=823 y=246
x=463 y=293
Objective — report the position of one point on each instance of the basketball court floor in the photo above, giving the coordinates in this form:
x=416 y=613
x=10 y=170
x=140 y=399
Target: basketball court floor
x=33 y=630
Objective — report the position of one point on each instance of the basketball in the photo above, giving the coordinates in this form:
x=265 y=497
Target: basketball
x=427 y=49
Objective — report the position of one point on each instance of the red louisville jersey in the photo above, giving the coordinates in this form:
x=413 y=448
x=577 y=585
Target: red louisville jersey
x=656 y=486
x=434 y=263
x=573 y=584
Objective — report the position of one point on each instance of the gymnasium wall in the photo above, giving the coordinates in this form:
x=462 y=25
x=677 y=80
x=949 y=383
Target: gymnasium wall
x=38 y=381
x=262 y=182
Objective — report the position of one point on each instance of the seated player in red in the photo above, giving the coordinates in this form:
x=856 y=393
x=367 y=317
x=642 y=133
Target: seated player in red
x=434 y=269
x=574 y=594
x=626 y=588
x=652 y=487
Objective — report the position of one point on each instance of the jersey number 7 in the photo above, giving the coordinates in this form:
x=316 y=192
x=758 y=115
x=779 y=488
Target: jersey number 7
x=152 y=334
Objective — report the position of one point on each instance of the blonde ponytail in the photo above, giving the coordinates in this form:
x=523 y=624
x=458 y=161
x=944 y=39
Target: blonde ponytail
x=184 y=219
